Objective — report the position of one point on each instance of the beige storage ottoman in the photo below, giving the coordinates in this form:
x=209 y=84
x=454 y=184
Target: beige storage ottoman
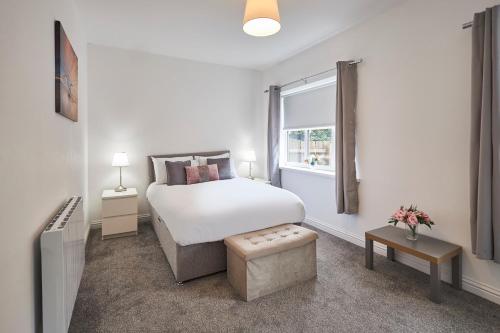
x=262 y=262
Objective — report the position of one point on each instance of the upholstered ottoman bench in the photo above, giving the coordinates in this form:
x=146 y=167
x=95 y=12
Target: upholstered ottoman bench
x=262 y=262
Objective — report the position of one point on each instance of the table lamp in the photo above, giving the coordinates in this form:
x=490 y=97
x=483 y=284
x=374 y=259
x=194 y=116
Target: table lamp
x=120 y=160
x=250 y=157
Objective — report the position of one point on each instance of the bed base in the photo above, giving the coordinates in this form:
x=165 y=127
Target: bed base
x=191 y=261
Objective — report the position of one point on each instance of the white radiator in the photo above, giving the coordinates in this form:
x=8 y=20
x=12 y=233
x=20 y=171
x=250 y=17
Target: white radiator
x=63 y=258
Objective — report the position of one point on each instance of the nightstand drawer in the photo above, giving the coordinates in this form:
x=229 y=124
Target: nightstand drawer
x=119 y=206
x=119 y=225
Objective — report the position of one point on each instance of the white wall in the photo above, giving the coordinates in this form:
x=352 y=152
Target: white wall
x=42 y=154
x=147 y=104
x=413 y=124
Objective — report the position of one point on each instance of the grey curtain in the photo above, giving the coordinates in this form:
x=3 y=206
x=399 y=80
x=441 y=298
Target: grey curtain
x=345 y=139
x=273 y=136
x=485 y=136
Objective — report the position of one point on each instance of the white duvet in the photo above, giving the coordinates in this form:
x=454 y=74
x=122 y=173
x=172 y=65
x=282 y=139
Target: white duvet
x=211 y=211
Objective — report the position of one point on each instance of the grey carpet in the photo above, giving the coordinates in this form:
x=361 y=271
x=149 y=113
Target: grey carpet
x=127 y=286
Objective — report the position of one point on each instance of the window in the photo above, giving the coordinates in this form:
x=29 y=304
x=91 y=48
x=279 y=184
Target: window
x=320 y=146
x=296 y=146
x=310 y=148
x=308 y=130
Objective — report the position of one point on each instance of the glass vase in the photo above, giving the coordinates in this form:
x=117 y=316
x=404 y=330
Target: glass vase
x=411 y=232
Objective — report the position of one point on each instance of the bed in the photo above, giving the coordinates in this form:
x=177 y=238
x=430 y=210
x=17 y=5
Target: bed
x=191 y=221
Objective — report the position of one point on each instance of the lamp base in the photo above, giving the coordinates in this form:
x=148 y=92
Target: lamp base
x=120 y=188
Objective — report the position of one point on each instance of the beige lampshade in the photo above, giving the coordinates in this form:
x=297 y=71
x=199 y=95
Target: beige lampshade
x=262 y=18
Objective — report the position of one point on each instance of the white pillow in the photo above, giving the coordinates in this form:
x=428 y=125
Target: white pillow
x=160 y=168
x=202 y=160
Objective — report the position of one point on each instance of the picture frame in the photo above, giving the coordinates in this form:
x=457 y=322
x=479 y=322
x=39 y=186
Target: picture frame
x=66 y=75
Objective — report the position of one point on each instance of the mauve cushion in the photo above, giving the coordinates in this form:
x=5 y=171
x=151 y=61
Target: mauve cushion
x=223 y=166
x=201 y=174
x=176 y=172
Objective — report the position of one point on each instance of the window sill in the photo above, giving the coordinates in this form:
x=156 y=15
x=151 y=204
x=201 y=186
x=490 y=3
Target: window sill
x=309 y=171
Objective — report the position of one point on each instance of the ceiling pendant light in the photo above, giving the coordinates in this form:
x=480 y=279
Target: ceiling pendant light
x=262 y=18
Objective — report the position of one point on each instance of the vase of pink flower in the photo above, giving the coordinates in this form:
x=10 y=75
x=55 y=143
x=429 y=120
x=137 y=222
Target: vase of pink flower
x=412 y=218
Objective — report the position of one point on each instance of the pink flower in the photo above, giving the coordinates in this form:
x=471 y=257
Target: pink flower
x=399 y=215
x=426 y=217
x=412 y=219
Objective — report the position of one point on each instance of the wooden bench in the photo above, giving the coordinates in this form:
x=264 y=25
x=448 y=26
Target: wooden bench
x=433 y=250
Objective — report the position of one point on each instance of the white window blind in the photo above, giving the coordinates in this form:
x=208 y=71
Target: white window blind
x=309 y=109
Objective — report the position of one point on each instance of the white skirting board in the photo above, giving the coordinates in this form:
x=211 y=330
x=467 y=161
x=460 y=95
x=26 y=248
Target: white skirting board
x=475 y=287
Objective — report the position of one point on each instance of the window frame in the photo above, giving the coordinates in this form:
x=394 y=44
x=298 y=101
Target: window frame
x=329 y=81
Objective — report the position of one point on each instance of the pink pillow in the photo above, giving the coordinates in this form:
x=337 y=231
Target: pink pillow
x=201 y=174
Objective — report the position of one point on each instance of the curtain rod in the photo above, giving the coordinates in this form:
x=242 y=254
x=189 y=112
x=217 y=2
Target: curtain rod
x=467 y=25
x=304 y=79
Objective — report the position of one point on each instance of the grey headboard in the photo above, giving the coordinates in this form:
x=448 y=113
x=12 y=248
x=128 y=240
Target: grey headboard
x=152 y=170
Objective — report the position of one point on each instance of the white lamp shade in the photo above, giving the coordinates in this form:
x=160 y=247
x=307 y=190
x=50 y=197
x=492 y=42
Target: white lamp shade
x=120 y=160
x=249 y=156
x=262 y=18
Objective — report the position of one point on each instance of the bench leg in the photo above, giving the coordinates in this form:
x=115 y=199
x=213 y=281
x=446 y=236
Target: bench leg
x=390 y=253
x=456 y=269
x=435 y=283
x=369 y=253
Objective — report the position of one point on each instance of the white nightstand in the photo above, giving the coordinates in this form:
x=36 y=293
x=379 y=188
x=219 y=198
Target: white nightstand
x=261 y=180
x=119 y=213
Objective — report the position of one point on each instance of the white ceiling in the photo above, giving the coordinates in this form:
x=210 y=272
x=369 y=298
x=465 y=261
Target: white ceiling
x=211 y=30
